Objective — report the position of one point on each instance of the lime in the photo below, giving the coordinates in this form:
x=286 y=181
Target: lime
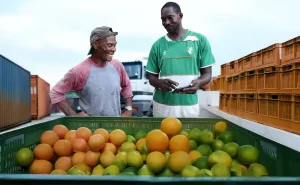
x=247 y=154
x=231 y=148
x=257 y=170
x=140 y=134
x=204 y=149
x=201 y=163
x=24 y=157
x=193 y=145
x=130 y=138
x=206 y=137
x=227 y=136
x=217 y=145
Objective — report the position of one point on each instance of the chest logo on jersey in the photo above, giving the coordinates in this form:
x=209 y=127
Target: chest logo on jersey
x=190 y=50
x=164 y=52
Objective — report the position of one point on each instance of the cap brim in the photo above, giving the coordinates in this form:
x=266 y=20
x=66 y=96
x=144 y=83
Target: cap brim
x=91 y=50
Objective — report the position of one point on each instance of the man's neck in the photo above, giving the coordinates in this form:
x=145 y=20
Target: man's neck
x=177 y=35
x=98 y=61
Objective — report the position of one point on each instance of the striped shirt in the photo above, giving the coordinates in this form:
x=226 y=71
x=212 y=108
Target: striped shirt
x=180 y=61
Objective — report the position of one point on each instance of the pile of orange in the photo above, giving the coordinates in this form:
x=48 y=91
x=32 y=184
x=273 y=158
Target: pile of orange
x=166 y=151
x=60 y=148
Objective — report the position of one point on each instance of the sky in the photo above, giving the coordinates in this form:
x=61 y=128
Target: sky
x=49 y=37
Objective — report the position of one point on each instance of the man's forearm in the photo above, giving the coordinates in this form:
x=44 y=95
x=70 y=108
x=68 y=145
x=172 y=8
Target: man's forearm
x=128 y=101
x=65 y=108
x=153 y=80
x=204 y=79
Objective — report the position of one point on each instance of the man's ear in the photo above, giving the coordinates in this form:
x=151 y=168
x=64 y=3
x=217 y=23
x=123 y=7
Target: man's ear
x=94 y=45
x=181 y=14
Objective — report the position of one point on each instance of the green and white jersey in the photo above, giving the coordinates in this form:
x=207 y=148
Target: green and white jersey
x=180 y=61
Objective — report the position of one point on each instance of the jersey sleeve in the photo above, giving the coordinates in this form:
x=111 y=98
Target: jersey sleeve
x=207 y=57
x=153 y=61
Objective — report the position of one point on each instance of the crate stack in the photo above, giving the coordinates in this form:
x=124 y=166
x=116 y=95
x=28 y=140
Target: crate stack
x=264 y=86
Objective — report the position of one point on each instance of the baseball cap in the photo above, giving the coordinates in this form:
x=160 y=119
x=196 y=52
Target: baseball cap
x=100 y=33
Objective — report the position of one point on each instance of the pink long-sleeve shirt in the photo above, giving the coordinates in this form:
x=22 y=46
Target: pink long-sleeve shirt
x=98 y=87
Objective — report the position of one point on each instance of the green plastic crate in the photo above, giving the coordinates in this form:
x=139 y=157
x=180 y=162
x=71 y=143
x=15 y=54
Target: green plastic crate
x=282 y=163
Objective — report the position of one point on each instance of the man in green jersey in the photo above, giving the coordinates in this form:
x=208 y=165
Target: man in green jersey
x=179 y=64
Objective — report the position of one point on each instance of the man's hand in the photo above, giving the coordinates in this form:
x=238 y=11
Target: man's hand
x=126 y=113
x=193 y=87
x=166 y=84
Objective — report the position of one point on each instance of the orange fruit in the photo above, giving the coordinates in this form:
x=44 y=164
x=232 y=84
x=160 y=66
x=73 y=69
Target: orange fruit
x=156 y=161
x=171 y=126
x=40 y=166
x=139 y=144
x=79 y=145
x=179 y=143
x=102 y=132
x=96 y=142
x=92 y=158
x=157 y=140
x=109 y=147
x=63 y=163
x=84 y=133
x=117 y=137
x=78 y=158
x=43 y=151
x=107 y=158
x=63 y=147
x=70 y=135
x=178 y=160
x=60 y=130
x=49 y=137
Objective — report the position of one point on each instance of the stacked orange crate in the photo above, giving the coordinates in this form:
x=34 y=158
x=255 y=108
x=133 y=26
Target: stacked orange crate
x=222 y=79
x=264 y=86
x=280 y=110
x=279 y=91
x=291 y=51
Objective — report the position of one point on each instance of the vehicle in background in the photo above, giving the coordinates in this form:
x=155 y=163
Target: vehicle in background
x=141 y=88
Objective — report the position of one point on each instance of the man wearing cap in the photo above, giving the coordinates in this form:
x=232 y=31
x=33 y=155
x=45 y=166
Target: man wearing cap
x=98 y=80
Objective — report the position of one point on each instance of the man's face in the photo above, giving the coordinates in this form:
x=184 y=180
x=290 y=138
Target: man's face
x=105 y=48
x=170 y=19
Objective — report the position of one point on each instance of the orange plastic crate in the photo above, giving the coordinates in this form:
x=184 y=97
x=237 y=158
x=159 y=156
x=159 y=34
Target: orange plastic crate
x=291 y=51
x=249 y=61
x=297 y=108
x=251 y=111
x=233 y=104
x=233 y=67
x=241 y=104
x=226 y=107
x=242 y=81
x=224 y=69
x=229 y=83
x=269 y=56
x=251 y=81
x=215 y=83
x=280 y=110
x=268 y=79
x=263 y=104
x=221 y=101
x=239 y=65
x=235 y=84
x=223 y=84
x=290 y=78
